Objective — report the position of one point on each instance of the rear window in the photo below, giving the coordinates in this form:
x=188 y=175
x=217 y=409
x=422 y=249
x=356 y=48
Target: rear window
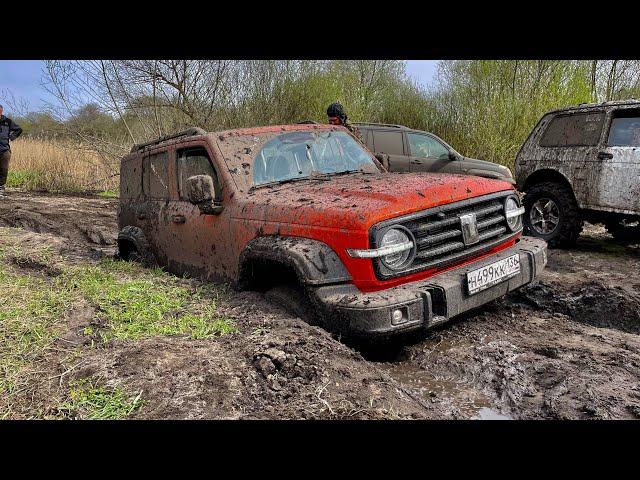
x=625 y=129
x=578 y=129
x=388 y=142
x=156 y=176
x=130 y=179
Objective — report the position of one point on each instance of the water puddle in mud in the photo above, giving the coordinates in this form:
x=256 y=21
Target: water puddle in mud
x=472 y=404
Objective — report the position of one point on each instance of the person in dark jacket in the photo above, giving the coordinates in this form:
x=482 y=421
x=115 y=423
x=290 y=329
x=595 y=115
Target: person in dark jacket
x=336 y=115
x=9 y=131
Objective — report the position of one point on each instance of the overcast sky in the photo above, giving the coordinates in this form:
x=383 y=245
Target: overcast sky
x=23 y=78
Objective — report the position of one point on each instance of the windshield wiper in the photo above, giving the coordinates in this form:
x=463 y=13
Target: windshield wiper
x=286 y=180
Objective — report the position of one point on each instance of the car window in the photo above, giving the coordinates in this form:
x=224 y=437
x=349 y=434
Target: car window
x=426 y=146
x=388 y=142
x=156 y=176
x=303 y=154
x=367 y=138
x=192 y=162
x=577 y=129
x=625 y=130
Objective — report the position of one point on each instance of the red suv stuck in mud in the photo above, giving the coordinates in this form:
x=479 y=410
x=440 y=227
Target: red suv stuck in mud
x=307 y=215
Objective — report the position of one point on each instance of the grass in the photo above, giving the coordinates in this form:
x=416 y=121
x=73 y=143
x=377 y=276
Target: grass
x=109 y=194
x=94 y=402
x=135 y=302
x=59 y=166
x=40 y=290
x=29 y=313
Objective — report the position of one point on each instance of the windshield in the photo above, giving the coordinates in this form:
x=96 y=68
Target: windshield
x=304 y=154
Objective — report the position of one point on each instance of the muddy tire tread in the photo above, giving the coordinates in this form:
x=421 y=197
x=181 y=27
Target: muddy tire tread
x=570 y=218
x=142 y=252
x=294 y=300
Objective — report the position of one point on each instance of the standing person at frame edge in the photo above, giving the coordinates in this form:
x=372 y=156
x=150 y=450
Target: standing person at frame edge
x=336 y=116
x=9 y=131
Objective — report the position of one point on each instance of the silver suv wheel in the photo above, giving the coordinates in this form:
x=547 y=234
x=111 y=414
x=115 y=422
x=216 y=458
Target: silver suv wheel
x=544 y=216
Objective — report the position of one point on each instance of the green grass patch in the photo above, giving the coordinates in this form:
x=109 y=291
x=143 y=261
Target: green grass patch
x=109 y=194
x=40 y=289
x=135 y=302
x=27 y=179
x=30 y=309
x=93 y=402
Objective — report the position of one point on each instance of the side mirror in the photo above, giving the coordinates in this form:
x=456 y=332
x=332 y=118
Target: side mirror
x=203 y=192
x=453 y=156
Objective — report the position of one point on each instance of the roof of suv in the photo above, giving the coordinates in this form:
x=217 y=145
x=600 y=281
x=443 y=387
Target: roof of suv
x=586 y=106
x=381 y=125
x=194 y=131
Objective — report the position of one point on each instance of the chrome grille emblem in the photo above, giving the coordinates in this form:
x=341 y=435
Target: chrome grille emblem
x=469 y=227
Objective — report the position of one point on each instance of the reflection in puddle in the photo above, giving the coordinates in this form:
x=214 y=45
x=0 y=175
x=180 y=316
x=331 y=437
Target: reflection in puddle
x=471 y=403
x=490 y=414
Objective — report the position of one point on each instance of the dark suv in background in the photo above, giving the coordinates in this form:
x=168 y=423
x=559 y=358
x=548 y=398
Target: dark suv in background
x=402 y=149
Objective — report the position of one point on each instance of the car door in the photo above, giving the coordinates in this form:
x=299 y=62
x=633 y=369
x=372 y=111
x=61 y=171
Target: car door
x=619 y=163
x=194 y=242
x=427 y=154
x=391 y=143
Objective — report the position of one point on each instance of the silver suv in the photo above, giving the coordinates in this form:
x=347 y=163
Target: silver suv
x=582 y=163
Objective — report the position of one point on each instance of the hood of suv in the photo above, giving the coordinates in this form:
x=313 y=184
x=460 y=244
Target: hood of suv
x=474 y=166
x=358 y=201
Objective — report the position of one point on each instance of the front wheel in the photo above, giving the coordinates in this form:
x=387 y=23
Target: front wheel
x=294 y=300
x=552 y=214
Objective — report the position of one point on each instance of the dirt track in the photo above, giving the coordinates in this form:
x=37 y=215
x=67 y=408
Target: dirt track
x=566 y=347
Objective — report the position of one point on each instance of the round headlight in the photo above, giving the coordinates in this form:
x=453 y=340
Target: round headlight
x=395 y=236
x=514 y=219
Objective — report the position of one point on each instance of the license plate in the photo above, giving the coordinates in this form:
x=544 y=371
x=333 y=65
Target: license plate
x=494 y=273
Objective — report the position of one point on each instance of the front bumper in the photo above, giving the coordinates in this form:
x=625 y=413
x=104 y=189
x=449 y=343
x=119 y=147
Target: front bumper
x=424 y=303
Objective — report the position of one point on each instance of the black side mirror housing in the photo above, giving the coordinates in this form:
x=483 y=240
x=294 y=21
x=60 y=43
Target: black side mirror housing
x=203 y=192
x=453 y=156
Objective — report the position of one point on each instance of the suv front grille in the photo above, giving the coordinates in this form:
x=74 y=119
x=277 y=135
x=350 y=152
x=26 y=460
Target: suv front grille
x=438 y=233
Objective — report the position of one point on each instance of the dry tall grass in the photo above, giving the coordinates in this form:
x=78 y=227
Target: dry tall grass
x=59 y=165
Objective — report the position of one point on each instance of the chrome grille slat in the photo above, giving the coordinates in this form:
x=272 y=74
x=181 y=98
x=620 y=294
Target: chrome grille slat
x=490 y=221
x=439 y=237
x=440 y=250
x=492 y=233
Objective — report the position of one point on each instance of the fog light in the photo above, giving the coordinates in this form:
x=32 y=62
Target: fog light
x=398 y=316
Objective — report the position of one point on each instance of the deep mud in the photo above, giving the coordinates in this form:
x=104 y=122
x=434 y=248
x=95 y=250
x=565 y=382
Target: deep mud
x=564 y=347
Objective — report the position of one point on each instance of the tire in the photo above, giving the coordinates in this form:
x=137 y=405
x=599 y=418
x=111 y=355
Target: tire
x=623 y=233
x=568 y=221
x=294 y=300
x=138 y=249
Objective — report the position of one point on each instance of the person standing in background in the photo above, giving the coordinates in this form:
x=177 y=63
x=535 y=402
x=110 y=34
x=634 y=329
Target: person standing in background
x=337 y=116
x=9 y=131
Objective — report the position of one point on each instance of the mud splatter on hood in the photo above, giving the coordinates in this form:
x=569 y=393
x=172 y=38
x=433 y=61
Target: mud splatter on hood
x=358 y=201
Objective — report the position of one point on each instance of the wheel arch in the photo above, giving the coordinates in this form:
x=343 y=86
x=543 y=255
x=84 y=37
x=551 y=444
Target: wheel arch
x=268 y=260
x=547 y=175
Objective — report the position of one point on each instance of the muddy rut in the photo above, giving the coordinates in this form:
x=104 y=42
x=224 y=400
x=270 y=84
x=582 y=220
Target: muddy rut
x=565 y=347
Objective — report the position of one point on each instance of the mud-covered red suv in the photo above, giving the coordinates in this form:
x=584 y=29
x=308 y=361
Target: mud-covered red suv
x=307 y=215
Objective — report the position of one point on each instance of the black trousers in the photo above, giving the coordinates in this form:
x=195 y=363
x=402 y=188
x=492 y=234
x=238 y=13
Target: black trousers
x=4 y=166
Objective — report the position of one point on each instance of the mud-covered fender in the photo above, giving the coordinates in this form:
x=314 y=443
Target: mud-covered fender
x=314 y=262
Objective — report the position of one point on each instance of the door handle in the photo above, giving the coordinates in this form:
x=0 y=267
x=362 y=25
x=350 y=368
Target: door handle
x=604 y=155
x=178 y=218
